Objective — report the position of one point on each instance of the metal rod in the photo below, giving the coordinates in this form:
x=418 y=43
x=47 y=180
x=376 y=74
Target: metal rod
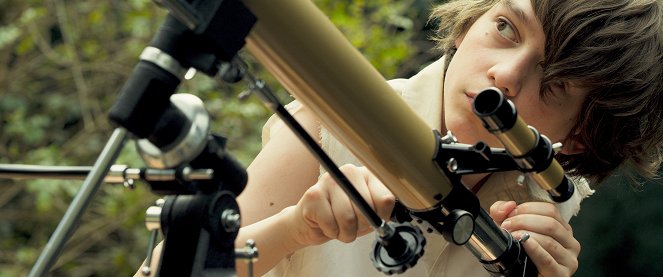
x=146 y=270
x=43 y=171
x=70 y=220
x=270 y=99
x=118 y=174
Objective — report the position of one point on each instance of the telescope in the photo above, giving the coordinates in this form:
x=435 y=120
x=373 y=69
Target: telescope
x=314 y=62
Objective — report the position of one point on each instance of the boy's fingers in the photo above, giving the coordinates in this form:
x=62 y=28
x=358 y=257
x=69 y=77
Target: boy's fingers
x=500 y=210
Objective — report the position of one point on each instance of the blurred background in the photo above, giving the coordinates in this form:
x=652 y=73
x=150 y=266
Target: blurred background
x=62 y=63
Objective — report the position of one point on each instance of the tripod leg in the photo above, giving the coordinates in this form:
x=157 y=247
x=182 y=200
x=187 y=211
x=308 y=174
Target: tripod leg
x=146 y=270
x=82 y=199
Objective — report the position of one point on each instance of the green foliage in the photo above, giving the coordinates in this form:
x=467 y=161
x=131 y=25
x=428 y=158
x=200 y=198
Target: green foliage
x=380 y=29
x=61 y=66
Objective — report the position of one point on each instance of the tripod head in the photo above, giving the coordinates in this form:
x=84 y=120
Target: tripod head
x=174 y=133
x=143 y=107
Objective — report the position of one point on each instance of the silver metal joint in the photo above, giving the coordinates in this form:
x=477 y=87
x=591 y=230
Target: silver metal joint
x=521 y=180
x=189 y=146
x=249 y=252
x=190 y=174
x=129 y=183
x=449 y=138
x=230 y=220
x=524 y=237
x=116 y=174
x=452 y=165
x=385 y=230
x=153 y=216
x=163 y=60
x=146 y=270
x=557 y=147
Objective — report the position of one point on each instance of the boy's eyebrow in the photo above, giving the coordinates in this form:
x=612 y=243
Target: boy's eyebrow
x=513 y=8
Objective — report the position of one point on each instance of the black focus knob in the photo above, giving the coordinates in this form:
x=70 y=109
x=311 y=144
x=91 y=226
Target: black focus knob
x=399 y=251
x=458 y=227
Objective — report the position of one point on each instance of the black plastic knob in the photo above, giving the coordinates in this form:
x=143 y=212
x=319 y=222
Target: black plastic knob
x=400 y=251
x=458 y=226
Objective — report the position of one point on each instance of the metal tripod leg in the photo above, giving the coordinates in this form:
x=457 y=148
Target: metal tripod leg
x=66 y=227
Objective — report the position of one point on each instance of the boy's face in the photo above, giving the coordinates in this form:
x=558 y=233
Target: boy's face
x=504 y=48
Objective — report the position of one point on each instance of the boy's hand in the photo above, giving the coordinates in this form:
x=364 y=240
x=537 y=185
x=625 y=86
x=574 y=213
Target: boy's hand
x=325 y=212
x=551 y=246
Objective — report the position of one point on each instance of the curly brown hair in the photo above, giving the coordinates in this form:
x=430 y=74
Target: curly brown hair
x=613 y=48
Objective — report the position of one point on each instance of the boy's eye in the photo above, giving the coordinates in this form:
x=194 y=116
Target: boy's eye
x=506 y=30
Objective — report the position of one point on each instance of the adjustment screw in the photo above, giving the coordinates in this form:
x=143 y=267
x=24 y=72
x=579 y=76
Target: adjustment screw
x=230 y=220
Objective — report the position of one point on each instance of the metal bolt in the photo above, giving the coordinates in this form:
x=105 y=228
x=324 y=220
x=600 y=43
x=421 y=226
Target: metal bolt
x=524 y=237
x=230 y=220
x=520 y=180
x=557 y=146
x=146 y=271
x=452 y=165
x=129 y=183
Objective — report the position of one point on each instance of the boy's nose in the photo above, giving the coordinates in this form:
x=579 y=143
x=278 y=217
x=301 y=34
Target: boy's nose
x=509 y=74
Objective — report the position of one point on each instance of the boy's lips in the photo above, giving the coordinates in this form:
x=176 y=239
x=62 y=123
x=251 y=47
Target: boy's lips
x=470 y=97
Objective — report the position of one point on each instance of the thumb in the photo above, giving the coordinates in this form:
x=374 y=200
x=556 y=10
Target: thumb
x=500 y=210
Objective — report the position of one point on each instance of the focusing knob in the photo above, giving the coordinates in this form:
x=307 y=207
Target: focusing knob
x=400 y=251
x=458 y=226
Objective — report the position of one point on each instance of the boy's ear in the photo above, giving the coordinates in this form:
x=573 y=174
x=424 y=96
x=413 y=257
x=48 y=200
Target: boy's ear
x=572 y=146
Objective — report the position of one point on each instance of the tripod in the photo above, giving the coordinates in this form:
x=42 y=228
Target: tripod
x=196 y=36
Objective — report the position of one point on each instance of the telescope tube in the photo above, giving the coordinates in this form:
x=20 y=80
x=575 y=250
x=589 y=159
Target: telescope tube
x=315 y=62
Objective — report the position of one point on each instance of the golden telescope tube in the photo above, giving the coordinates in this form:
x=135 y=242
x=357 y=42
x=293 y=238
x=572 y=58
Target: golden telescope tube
x=315 y=62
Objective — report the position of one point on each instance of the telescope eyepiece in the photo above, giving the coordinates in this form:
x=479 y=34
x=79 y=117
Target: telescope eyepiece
x=495 y=111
